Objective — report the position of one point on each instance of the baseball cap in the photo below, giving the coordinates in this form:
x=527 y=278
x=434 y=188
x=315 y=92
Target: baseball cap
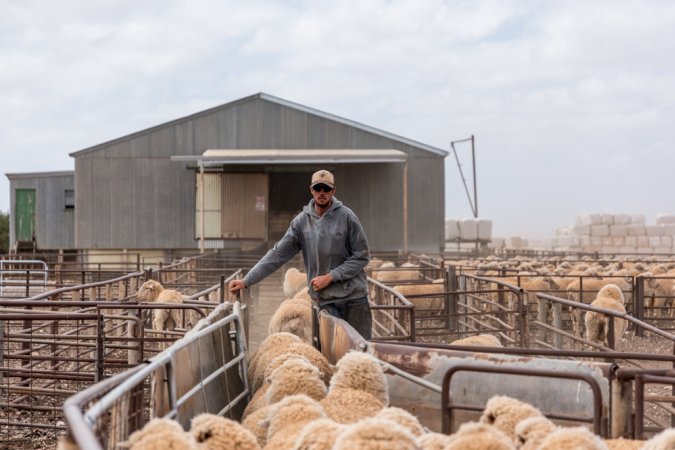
x=323 y=176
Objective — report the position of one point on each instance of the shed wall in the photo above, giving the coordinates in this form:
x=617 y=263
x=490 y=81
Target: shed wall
x=130 y=195
x=54 y=224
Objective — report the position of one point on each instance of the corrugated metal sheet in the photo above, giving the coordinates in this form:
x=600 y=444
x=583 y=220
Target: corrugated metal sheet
x=54 y=224
x=131 y=195
x=212 y=206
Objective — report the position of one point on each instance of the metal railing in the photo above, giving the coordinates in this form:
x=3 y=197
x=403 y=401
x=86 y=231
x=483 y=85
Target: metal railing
x=21 y=277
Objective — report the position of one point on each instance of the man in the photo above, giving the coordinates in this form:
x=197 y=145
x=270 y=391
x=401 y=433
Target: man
x=335 y=251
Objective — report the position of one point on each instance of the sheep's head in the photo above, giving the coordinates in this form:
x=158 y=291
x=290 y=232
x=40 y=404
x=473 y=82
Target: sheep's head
x=473 y=436
x=296 y=375
x=375 y=433
x=403 y=418
x=533 y=430
x=292 y=410
x=611 y=291
x=149 y=291
x=505 y=412
x=573 y=437
x=361 y=371
x=159 y=434
x=215 y=432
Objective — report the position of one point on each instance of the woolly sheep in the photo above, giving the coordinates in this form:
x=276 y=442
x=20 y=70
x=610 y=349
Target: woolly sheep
x=624 y=444
x=294 y=281
x=433 y=441
x=297 y=348
x=287 y=418
x=479 y=436
x=319 y=435
x=577 y=438
x=504 y=413
x=257 y=401
x=482 y=340
x=597 y=324
x=591 y=287
x=345 y=405
x=375 y=434
x=270 y=342
x=218 y=433
x=361 y=371
x=403 y=418
x=295 y=376
x=303 y=294
x=665 y=440
x=532 y=431
x=255 y=423
x=159 y=434
x=293 y=316
x=432 y=302
x=164 y=319
x=391 y=276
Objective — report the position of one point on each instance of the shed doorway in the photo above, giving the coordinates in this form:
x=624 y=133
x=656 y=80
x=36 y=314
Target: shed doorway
x=289 y=192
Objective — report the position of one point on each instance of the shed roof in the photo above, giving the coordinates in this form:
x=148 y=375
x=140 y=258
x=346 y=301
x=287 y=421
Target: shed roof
x=280 y=101
x=64 y=173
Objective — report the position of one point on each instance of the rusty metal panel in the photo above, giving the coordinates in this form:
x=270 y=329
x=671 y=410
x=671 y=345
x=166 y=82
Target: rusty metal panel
x=212 y=206
x=245 y=205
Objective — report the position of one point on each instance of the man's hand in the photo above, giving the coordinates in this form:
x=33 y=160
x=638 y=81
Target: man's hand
x=321 y=281
x=236 y=286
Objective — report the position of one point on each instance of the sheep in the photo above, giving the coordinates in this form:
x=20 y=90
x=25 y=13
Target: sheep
x=270 y=342
x=403 y=418
x=657 y=293
x=436 y=301
x=433 y=441
x=257 y=401
x=479 y=436
x=303 y=294
x=624 y=444
x=293 y=316
x=665 y=440
x=319 y=435
x=361 y=371
x=597 y=324
x=532 y=431
x=218 y=433
x=482 y=340
x=590 y=289
x=295 y=376
x=578 y=438
x=294 y=281
x=374 y=263
x=164 y=319
x=161 y=434
x=344 y=405
x=287 y=418
x=504 y=413
x=406 y=274
x=375 y=434
x=297 y=348
x=255 y=423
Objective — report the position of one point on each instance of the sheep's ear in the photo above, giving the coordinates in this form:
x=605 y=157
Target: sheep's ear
x=265 y=423
x=204 y=435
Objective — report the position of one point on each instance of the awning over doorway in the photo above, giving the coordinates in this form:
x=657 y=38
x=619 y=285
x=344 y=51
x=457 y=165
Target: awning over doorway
x=295 y=156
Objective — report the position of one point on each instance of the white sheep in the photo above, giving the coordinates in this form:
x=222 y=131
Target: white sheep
x=361 y=371
x=403 y=418
x=665 y=440
x=287 y=418
x=270 y=342
x=573 y=438
x=504 y=413
x=293 y=316
x=294 y=281
x=164 y=319
x=433 y=441
x=319 y=435
x=295 y=376
x=479 y=436
x=532 y=431
x=218 y=433
x=160 y=434
x=482 y=340
x=375 y=434
x=345 y=405
x=597 y=324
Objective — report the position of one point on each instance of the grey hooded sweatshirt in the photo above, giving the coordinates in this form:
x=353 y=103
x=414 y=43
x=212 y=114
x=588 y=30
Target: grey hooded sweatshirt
x=334 y=242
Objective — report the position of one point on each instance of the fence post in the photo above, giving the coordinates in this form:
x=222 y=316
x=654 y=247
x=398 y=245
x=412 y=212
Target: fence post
x=451 y=299
x=222 y=289
x=557 y=324
x=542 y=317
x=639 y=303
x=100 y=350
x=133 y=333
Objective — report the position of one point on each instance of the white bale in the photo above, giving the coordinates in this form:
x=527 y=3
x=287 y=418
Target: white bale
x=498 y=242
x=663 y=250
x=662 y=219
x=618 y=230
x=451 y=230
x=575 y=241
x=590 y=248
x=655 y=241
x=484 y=229
x=638 y=219
x=596 y=241
x=627 y=249
x=669 y=230
x=621 y=219
x=642 y=241
x=618 y=241
x=564 y=231
x=608 y=219
x=584 y=240
x=636 y=230
x=631 y=241
x=600 y=230
x=606 y=241
x=654 y=230
x=584 y=219
x=666 y=241
x=644 y=250
x=468 y=229
x=582 y=230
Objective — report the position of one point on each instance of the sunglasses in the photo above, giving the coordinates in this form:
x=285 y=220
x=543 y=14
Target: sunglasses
x=322 y=187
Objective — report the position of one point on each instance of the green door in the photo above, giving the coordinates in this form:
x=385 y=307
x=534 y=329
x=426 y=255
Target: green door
x=24 y=215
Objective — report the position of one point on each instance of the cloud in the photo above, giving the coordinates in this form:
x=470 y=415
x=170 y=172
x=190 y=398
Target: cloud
x=570 y=101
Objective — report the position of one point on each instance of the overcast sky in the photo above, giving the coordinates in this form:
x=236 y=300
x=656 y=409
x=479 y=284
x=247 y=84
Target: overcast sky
x=571 y=102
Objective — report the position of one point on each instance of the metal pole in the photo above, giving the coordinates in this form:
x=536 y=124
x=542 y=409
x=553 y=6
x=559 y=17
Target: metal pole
x=475 y=188
x=201 y=206
x=405 y=208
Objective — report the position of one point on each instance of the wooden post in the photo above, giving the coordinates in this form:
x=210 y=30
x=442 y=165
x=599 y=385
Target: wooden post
x=405 y=208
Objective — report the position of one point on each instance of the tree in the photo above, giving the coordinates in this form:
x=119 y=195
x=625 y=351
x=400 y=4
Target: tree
x=4 y=232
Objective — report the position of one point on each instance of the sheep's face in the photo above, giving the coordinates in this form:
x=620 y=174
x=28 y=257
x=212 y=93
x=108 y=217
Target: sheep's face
x=149 y=291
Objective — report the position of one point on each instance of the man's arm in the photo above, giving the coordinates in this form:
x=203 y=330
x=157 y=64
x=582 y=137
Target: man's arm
x=282 y=252
x=359 y=257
